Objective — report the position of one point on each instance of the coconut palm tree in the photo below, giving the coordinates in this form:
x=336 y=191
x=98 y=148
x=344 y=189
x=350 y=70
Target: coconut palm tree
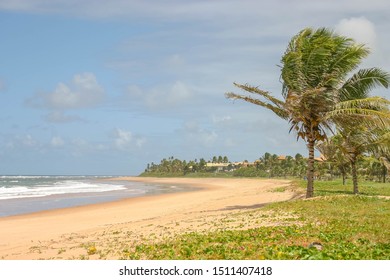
x=357 y=140
x=332 y=150
x=382 y=151
x=354 y=144
x=316 y=91
x=355 y=136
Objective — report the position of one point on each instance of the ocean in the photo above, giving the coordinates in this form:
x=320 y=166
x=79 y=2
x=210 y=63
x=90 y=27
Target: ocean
x=28 y=194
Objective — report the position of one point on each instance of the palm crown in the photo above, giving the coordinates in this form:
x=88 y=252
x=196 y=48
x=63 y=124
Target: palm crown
x=318 y=89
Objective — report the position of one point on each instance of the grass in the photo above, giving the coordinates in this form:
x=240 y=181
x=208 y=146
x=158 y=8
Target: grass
x=347 y=227
x=335 y=187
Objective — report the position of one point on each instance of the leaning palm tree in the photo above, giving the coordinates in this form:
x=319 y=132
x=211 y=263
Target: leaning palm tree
x=317 y=90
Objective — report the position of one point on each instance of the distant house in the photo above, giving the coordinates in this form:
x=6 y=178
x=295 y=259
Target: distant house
x=217 y=164
x=281 y=157
x=246 y=163
x=220 y=166
x=230 y=166
x=321 y=158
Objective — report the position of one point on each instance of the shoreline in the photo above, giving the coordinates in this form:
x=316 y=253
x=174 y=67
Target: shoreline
x=129 y=187
x=42 y=235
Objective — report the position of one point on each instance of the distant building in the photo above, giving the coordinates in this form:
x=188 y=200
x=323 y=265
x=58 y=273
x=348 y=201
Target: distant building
x=230 y=166
x=321 y=158
x=219 y=165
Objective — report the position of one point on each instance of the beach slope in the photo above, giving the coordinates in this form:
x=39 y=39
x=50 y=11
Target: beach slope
x=102 y=231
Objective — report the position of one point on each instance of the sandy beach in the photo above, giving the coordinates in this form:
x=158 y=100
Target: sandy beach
x=102 y=231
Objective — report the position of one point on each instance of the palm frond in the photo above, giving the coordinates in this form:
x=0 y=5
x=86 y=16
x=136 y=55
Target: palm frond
x=378 y=140
x=359 y=85
x=281 y=112
x=359 y=112
x=319 y=58
x=375 y=102
x=365 y=116
x=368 y=111
x=263 y=93
x=385 y=162
x=292 y=74
x=346 y=56
x=382 y=138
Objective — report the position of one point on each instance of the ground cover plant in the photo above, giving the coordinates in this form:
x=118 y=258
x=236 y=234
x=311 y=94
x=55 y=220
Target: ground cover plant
x=334 y=225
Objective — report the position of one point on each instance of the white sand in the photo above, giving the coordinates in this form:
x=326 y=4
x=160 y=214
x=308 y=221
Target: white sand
x=108 y=227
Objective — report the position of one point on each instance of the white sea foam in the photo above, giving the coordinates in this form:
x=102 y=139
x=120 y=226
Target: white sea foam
x=24 y=177
x=49 y=176
x=60 y=187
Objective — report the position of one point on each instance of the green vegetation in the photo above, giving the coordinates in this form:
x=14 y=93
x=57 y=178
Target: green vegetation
x=368 y=168
x=343 y=227
x=352 y=142
x=173 y=167
x=335 y=187
x=267 y=165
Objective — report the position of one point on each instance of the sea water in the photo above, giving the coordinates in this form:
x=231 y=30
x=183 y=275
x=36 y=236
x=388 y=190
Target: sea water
x=27 y=194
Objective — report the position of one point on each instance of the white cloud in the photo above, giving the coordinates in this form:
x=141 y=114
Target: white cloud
x=360 y=29
x=172 y=96
x=82 y=92
x=80 y=147
x=161 y=97
x=194 y=134
x=57 y=142
x=139 y=142
x=28 y=141
x=124 y=140
x=22 y=141
x=78 y=142
x=221 y=120
x=175 y=61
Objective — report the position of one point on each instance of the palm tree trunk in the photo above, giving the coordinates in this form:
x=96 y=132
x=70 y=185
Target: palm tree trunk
x=354 y=175
x=384 y=173
x=310 y=169
x=343 y=173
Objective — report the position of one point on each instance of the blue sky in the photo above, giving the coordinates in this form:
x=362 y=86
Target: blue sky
x=104 y=87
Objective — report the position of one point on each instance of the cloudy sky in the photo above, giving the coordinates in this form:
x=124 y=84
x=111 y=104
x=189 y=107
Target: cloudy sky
x=104 y=87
